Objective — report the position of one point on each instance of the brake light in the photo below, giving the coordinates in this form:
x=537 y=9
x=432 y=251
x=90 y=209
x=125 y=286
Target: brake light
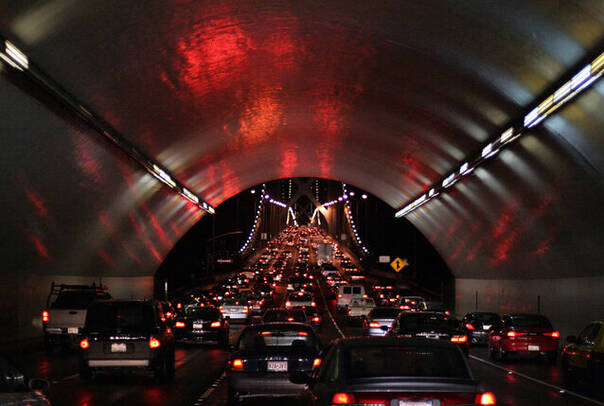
x=290 y=319
x=365 y=296
x=288 y=304
x=374 y=324
x=313 y=304
x=215 y=324
x=316 y=363
x=469 y=326
x=45 y=317
x=459 y=339
x=381 y=296
x=169 y=315
x=552 y=334
x=447 y=312
x=340 y=295
x=179 y=324
x=221 y=309
x=302 y=333
x=84 y=344
x=486 y=399
x=405 y=307
x=245 y=310
x=266 y=333
x=342 y=398
x=179 y=305
x=316 y=319
x=154 y=343
x=514 y=334
x=237 y=364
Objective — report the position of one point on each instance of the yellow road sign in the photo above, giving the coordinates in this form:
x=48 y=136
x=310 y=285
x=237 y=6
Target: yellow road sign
x=398 y=264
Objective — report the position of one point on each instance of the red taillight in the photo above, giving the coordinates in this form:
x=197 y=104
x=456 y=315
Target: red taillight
x=302 y=333
x=447 y=312
x=365 y=296
x=179 y=324
x=313 y=304
x=290 y=319
x=459 y=339
x=469 y=326
x=169 y=315
x=266 y=333
x=316 y=362
x=405 y=307
x=342 y=398
x=84 y=344
x=154 y=343
x=288 y=304
x=215 y=324
x=552 y=334
x=514 y=334
x=374 y=324
x=237 y=364
x=485 y=399
x=340 y=296
x=179 y=305
x=45 y=317
x=316 y=319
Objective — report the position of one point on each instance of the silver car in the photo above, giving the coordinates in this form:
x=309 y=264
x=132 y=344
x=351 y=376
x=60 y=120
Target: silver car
x=379 y=320
x=235 y=309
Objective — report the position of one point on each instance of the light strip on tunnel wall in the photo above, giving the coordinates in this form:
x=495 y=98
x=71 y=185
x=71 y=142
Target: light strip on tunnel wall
x=564 y=94
x=12 y=56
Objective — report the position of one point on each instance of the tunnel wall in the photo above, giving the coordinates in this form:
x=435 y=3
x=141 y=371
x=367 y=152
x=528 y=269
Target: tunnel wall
x=569 y=303
x=75 y=209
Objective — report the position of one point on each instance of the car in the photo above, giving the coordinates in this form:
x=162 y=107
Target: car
x=412 y=303
x=379 y=320
x=478 y=325
x=313 y=316
x=235 y=309
x=264 y=357
x=431 y=325
x=284 y=315
x=359 y=309
x=17 y=390
x=255 y=302
x=126 y=335
x=440 y=307
x=392 y=371
x=200 y=324
x=528 y=334
x=583 y=356
x=65 y=312
x=348 y=292
x=300 y=299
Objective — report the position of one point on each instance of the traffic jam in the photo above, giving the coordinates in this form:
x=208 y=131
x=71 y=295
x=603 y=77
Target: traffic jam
x=303 y=322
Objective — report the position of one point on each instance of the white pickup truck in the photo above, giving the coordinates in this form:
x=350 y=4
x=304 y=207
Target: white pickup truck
x=65 y=312
x=359 y=309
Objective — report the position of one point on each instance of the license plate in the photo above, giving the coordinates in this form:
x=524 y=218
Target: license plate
x=485 y=327
x=277 y=366
x=118 y=347
x=415 y=403
x=533 y=348
x=72 y=330
x=197 y=325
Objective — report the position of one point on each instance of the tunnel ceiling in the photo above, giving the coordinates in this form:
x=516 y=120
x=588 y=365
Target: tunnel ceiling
x=387 y=96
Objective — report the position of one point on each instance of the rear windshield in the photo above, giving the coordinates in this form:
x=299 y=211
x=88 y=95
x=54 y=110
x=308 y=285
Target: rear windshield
x=356 y=290
x=233 y=302
x=276 y=316
x=300 y=298
x=120 y=315
x=205 y=313
x=410 y=361
x=257 y=339
x=531 y=322
x=484 y=317
x=388 y=313
x=78 y=299
x=422 y=322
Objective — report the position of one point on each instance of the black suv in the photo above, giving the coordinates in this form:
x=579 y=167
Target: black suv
x=126 y=335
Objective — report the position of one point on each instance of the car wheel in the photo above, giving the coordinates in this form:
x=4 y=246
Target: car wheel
x=492 y=354
x=224 y=341
x=161 y=371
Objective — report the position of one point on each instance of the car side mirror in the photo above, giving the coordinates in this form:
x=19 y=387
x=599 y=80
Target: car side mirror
x=37 y=384
x=571 y=339
x=299 y=378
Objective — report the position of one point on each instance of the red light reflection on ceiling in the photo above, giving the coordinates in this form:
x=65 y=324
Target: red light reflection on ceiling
x=39 y=246
x=260 y=118
x=84 y=152
x=159 y=231
x=289 y=163
x=108 y=260
x=37 y=201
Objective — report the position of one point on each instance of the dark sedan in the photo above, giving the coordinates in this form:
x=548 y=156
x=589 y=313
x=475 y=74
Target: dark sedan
x=264 y=357
x=478 y=325
x=388 y=371
x=201 y=324
x=432 y=325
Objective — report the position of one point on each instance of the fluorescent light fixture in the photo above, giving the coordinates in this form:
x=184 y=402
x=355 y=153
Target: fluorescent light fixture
x=506 y=135
x=16 y=55
x=163 y=176
x=448 y=180
x=464 y=169
x=531 y=118
x=561 y=93
x=432 y=192
x=187 y=193
x=580 y=77
x=9 y=61
x=488 y=151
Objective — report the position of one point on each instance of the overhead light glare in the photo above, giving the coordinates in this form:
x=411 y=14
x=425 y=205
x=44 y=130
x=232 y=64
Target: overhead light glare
x=507 y=135
x=16 y=55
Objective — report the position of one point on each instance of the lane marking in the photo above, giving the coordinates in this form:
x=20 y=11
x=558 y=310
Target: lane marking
x=206 y=394
x=67 y=378
x=320 y=282
x=530 y=378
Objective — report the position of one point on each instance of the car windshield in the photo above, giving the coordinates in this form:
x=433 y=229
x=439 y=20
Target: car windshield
x=422 y=322
x=233 y=302
x=387 y=313
x=73 y=299
x=408 y=361
x=275 y=316
x=531 y=322
x=484 y=317
x=300 y=298
x=204 y=313
x=120 y=315
x=277 y=337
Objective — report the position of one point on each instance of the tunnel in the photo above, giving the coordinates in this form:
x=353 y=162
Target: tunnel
x=479 y=122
